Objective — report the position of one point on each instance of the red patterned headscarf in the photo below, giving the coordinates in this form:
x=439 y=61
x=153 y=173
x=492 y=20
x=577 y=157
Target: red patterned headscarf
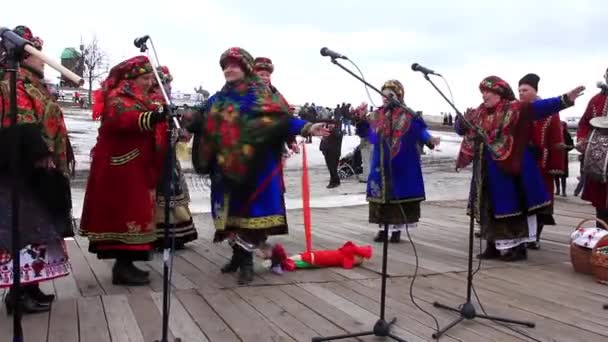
x=263 y=63
x=497 y=86
x=125 y=71
x=25 y=33
x=240 y=56
x=498 y=124
x=390 y=121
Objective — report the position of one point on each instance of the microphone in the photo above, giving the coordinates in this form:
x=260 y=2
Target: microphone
x=15 y=40
x=602 y=85
x=141 y=41
x=327 y=52
x=426 y=71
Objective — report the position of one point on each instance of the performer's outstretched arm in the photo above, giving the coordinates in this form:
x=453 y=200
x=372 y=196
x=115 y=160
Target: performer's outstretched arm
x=296 y=126
x=547 y=107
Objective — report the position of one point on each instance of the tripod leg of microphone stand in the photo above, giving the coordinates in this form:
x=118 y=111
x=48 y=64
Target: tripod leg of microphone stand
x=342 y=337
x=439 y=333
x=507 y=320
x=443 y=306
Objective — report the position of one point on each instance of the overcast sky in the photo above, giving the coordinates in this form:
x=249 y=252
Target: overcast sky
x=564 y=41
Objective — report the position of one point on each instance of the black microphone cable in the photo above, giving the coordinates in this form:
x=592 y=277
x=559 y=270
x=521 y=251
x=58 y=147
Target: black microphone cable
x=416 y=268
x=369 y=97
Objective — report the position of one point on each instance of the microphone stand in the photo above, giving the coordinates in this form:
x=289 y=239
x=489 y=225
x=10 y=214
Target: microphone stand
x=392 y=100
x=167 y=180
x=382 y=328
x=14 y=53
x=467 y=310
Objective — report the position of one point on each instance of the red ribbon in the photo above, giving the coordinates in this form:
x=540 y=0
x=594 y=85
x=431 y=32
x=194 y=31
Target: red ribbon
x=306 y=200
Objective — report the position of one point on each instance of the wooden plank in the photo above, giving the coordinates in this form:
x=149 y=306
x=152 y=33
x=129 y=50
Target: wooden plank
x=148 y=316
x=180 y=322
x=36 y=327
x=178 y=281
x=354 y=310
x=102 y=270
x=425 y=296
x=83 y=275
x=283 y=319
x=92 y=322
x=405 y=322
x=6 y=325
x=207 y=319
x=63 y=326
x=66 y=287
x=242 y=318
x=121 y=321
x=304 y=314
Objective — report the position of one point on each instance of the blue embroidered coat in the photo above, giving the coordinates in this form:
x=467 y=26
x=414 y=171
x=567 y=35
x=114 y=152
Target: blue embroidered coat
x=513 y=194
x=407 y=183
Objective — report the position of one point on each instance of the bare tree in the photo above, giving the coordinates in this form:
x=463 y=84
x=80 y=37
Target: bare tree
x=95 y=62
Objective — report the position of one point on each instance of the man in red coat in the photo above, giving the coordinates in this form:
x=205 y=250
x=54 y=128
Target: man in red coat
x=548 y=143
x=118 y=211
x=593 y=191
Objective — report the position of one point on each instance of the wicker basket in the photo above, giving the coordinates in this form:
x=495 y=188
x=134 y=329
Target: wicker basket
x=599 y=261
x=580 y=256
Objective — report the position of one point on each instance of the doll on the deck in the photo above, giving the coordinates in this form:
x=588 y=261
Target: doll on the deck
x=347 y=256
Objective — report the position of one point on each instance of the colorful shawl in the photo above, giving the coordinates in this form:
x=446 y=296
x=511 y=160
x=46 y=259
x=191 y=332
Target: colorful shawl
x=245 y=117
x=504 y=131
x=499 y=125
x=380 y=123
x=36 y=105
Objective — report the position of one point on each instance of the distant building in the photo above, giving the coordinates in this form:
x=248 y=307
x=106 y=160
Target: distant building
x=180 y=98
x=73 y=60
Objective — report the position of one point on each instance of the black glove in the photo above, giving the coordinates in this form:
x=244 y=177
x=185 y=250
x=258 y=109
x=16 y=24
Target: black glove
x=159 y=115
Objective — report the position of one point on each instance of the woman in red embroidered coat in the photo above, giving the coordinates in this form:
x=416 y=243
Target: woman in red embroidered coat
x=593 y=191
x=548 y=145
x=45 y=200
x=118 y=210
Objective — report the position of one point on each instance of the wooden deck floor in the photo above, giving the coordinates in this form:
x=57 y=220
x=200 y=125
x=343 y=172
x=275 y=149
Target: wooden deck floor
x=208 y=306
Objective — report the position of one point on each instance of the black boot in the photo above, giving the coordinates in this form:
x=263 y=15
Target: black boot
x=490 y=253
x=37 y=294
x=396 y=237
x=246 y=272
x=28 y=305
x=123 y=273
x=516 y=253
x=380 y=236
x=235 y=260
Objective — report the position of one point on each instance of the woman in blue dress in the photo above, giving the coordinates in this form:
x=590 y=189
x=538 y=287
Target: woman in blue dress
x=394 y=135
x=507 y=189
x=241 y=142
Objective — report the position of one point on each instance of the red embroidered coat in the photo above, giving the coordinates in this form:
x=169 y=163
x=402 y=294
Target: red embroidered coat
x=594 y=192
x=126 y=167
x=547 y=137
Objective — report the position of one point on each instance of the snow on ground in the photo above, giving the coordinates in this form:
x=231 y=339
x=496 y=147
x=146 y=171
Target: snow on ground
x=441 y=181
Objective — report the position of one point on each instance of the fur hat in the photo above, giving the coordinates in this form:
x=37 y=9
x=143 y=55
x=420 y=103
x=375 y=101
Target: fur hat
x=238 y=55
x=263 y=63
x=531 y=80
